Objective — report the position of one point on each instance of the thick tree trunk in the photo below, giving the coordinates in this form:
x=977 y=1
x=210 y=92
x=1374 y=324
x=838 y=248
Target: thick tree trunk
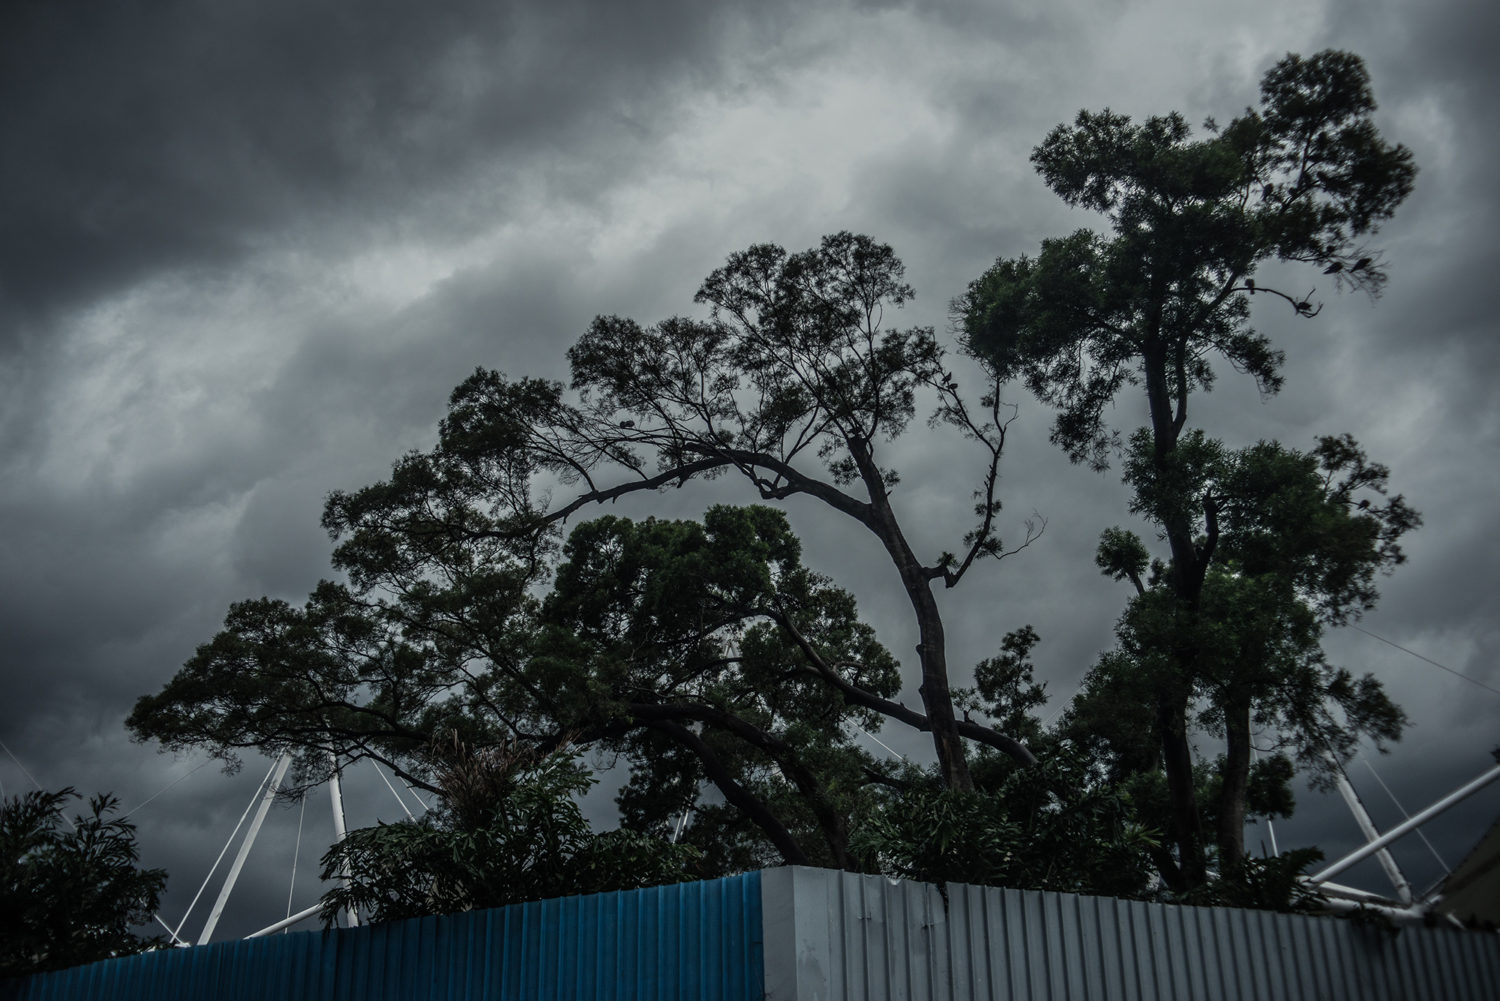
x=1186 y=581
x=1177 y=759
x=932 y=652
x=1236 y=781
x=937 y=698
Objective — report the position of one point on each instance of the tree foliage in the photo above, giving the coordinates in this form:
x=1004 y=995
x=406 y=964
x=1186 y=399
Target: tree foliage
x=70 y=893
x=697 y=652
x=510 y=830
x=727 y=675
x=1064 y=824
x=1306 y=178
x=1265 y=545
x=792 y=383
x=750 y=664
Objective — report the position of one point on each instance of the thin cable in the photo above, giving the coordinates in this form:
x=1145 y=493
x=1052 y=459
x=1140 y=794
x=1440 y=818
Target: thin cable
x=1061 y=705
x=1398 y=646
x=296 y=852
x=223 y=851
x=1418 y=832
x=61 y=813
x=169 y=785
x=22 y=767
x=879 y=741
x=426 y=806
x=175 y=939
x=404 y=808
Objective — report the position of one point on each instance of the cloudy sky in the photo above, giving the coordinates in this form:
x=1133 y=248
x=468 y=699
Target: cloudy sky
x=246 y=249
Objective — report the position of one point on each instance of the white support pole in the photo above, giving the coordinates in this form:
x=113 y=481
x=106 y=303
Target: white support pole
x=1452 y=799
x=287 y=922
x=1400 y=915
x=222 y=852
x=336 y=797
x=1341 y=892
x=239 y=860
x=1362 y=817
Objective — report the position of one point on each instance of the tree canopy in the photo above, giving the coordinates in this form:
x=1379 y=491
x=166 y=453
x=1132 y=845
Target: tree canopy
x=695 y=651
x=1266 y=544
x=731 y=678
x=1307 y=178
x=70 y=893
x=698 y=651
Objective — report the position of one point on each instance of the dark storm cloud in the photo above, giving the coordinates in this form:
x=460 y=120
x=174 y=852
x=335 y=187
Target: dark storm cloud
x=1421 y=364
x=151 y=143
x=208 y=179
x=1435 y=75
x=146 y=139
x=115 y=578
x=149 y=136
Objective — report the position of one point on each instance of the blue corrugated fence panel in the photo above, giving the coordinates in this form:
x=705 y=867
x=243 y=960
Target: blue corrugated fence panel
x=691 y=940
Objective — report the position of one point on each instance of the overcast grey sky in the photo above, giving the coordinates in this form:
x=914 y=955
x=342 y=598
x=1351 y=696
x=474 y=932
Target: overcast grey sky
x=247 y=248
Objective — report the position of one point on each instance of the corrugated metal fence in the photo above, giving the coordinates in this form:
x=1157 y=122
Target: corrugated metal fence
x=832 y=935
x=692 y=940
x=798 y=934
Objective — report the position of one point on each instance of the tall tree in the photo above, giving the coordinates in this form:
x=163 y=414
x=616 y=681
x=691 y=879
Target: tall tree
x=1299 y=539
x=1306 y=178
x=793 y=384
x=70 y=893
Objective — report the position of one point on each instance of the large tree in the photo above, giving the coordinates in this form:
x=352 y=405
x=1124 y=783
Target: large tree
x=1304 y=179
x=1299 y=540
x=792 y=383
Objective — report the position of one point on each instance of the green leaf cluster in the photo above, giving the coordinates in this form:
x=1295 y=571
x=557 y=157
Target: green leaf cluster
x=1304 y=178
x=511 y=831
x=70 y=893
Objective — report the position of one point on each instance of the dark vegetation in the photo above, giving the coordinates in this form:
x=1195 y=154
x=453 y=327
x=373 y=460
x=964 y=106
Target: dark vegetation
x=476 y=650
x=1264 y=545
x=70 y=892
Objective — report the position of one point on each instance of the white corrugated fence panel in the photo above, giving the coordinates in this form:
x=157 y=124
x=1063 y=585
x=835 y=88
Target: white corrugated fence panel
x=831 y=936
